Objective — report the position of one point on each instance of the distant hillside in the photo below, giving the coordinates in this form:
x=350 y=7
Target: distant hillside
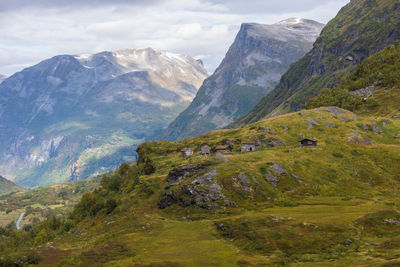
x=43 y=202
x=361 y=29
x=373 y=88
x=73 y=117
x=7 y=186
x=251 y=68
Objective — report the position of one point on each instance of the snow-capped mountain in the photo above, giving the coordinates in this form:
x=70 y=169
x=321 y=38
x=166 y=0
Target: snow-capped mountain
x=71 y=117
x=251 y=68
x=2 y=77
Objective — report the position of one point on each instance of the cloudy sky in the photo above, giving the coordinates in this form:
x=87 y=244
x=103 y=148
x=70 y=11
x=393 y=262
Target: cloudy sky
x=33 y=30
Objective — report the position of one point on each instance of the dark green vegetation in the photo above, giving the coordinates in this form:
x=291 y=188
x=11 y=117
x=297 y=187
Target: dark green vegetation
x=333 y=205
x=380 y=73
x=7 y=186
x=361 y=29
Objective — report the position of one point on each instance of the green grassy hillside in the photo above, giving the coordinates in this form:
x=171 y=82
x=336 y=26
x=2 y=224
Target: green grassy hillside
x=42 y=202
x=7 y=186
x=361 y=29
x=331 y=205
x=381 y=73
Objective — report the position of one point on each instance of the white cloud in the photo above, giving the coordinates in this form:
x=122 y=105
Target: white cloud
x=202 y=29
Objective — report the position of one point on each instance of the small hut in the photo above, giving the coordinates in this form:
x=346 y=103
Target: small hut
x=186 y=152
x=308 y=142
x=249 y=147
x=205 y=150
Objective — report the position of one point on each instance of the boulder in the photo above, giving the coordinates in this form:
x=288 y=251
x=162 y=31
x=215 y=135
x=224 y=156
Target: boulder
x=359 y=140
x=242 y=183
x=330 y=125
x=278 y=169
x=272 y=180
x=200 y=193
x=311 y=123
x=274 y=171
x=182 y=172
x=273 y=142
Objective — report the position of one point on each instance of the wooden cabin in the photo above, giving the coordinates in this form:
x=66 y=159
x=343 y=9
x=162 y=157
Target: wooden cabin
x=308 y=142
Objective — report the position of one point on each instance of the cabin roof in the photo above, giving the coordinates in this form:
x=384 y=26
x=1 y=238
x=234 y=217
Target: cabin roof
x=248 y=143
x=308 y=139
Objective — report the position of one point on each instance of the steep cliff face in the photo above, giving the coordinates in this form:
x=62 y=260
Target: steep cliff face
x=251 y=68
x=361 y=29
x=71 y=117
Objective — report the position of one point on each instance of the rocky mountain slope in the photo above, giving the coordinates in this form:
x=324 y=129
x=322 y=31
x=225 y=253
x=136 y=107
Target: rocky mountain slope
x=373 y=88
x=251 y=68
x=72 y=117
x=7 y=186
x=361 y=28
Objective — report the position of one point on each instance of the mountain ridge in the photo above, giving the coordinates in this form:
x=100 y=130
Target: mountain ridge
x=252 y=66
x=360 y=29
x=73 y=117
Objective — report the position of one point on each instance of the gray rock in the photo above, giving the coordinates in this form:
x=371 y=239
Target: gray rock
x=242 y=183
x=365 y=92
x=182 y=172
x=312 y=123
x=372 y=127
x=392 y=222
x=268 y=131
x=359 y=140
x=330 y=125
x=333 y=110
x=376 y=129
x=199 y=193
x=206 y=178
x=271 y=179
x=278 y=169
x=273 y=142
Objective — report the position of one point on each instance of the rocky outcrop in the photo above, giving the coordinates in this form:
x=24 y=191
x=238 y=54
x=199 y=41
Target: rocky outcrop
x=182 y=172
x=365 y=92
x=273 y=142
x=358 y=139
x=201 y=192
x=274 y=172
x=251 y=68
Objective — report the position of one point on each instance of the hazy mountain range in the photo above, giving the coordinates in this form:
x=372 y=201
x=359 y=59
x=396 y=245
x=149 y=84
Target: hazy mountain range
x=72 y=117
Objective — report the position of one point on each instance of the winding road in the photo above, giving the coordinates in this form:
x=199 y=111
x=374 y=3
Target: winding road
x=19 y=220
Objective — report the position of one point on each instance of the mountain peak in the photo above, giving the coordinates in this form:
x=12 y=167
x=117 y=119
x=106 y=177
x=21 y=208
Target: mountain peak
x=2 y=77
x=292 y=29
x=251 y=68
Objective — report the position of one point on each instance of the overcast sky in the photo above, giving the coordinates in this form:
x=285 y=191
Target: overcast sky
x=33 y=30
